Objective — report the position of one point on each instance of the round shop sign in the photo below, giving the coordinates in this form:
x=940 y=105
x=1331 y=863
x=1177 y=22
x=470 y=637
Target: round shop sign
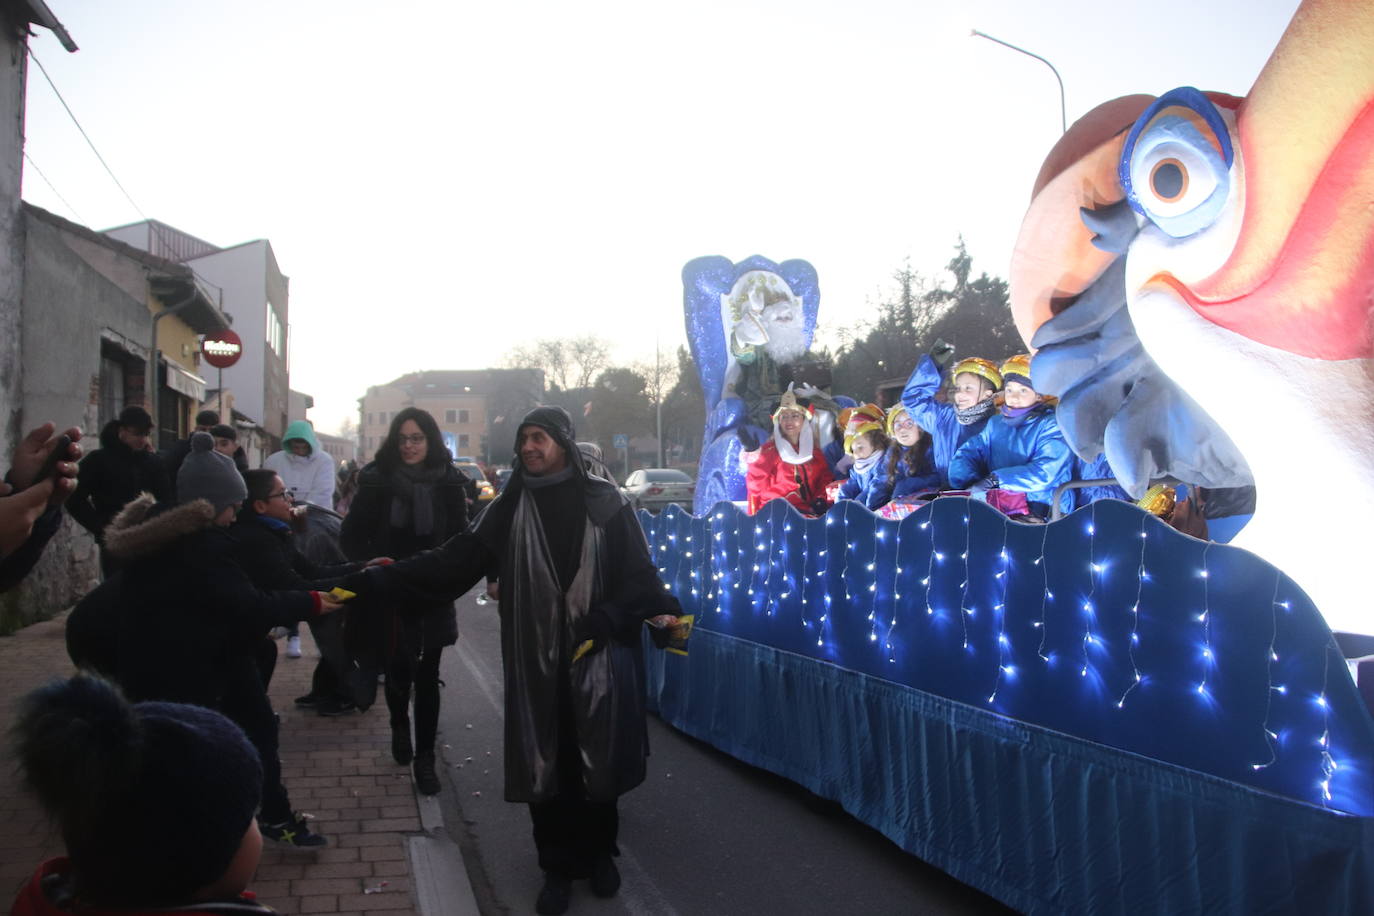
x=222 y=349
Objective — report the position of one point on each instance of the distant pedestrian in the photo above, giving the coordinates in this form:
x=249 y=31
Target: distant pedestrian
x=307 y=469
x=410 y=499
x=117 y=779
x=227 y=443
x=113 y=476
x=173 y=455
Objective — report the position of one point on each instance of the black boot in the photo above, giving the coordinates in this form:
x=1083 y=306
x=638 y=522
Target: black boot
x=426 y=780
x=401 y=751
x=605 y=876
x=398 y=705
x=555 y=895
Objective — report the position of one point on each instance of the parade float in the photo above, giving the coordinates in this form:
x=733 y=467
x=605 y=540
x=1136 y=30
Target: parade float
x=1100 y=714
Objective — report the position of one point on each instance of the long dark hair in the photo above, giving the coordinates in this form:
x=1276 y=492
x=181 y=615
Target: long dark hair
x=915 y=461
x=388 y=457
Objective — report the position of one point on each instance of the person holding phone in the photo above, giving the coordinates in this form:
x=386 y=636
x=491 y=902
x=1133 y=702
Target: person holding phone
x=42 y=475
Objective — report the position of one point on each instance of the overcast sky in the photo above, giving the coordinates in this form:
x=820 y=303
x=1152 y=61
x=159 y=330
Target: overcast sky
x=443 y=180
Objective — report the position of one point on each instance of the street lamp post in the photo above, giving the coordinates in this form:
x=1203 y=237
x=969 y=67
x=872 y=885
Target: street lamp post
x=1063 y=112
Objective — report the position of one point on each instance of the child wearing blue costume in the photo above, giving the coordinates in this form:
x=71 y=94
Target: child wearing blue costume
x=910 y=468
x=865 y=440
x=974 y=382
x=1020 y=450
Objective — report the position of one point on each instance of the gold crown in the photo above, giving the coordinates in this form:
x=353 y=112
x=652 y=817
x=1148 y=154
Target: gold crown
x=976 y=365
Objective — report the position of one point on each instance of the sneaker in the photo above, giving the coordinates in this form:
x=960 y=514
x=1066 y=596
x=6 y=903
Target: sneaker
x=294 y=833
x=605 y=876
x=426 y=780
x=335 y=707
x=278 y=632
x=555 y=895
x=309 y=701
x=293 y=647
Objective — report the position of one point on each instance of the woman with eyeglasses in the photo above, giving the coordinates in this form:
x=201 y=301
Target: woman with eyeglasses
x=410 y=498
x=910 y=467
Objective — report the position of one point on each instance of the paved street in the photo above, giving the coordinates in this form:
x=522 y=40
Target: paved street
x=704 y=834
x=337 y=769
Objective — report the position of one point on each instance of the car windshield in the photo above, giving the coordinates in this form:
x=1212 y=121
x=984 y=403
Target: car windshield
x=666 y=475
x=471 y=470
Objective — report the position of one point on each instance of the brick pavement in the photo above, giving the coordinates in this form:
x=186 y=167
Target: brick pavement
x=337 y=769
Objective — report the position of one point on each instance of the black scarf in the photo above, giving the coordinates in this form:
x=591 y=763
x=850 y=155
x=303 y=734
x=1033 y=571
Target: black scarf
x=413 y=497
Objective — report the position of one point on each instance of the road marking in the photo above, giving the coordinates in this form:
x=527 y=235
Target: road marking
x=638 y=892
x=487 y=682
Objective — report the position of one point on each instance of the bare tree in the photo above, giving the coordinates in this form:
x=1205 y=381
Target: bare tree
x=588 y=357
x=550 y=354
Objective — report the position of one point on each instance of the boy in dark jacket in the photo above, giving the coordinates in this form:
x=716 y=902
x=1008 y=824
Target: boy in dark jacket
x=264 y=548
x=189 y=621
x=111 y=477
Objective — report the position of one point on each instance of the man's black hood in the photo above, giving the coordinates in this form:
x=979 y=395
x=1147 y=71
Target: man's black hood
x=603 y=499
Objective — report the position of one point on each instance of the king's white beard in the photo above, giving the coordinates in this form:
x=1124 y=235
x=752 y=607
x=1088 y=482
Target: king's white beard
x=786 y=341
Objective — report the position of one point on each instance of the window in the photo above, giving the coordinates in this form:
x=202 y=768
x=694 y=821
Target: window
x=276 y=335
x=462 y=441
x=381 y=417
x=369 y=418
x=450 y=416
x=463 y=417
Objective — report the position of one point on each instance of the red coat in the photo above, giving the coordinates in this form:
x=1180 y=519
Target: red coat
x=802 y=485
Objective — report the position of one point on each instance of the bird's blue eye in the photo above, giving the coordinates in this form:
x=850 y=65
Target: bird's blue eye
x=1175 y=164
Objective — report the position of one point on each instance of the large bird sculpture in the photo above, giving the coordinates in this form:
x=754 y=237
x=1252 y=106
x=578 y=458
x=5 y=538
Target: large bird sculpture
x=1196 y=274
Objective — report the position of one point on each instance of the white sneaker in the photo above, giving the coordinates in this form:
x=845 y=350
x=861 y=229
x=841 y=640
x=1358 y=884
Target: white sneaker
x=293 y=647
x=278 y=632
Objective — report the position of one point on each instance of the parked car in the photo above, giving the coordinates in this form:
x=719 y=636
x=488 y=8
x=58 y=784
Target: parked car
x=657 y=488
x=473 y=471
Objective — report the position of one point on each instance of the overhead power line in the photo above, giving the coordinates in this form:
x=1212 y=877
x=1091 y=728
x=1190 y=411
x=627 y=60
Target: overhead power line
x=52 y=187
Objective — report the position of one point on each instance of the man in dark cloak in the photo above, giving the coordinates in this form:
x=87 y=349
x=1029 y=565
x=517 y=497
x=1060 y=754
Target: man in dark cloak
x=573 y=567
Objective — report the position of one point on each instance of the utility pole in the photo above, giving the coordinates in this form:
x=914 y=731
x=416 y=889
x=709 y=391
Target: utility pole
x=658 y=387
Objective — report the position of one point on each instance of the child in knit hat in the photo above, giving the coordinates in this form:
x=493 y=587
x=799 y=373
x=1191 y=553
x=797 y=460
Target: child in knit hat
x=190 y=622
x=1020 y=452
x=115 y=777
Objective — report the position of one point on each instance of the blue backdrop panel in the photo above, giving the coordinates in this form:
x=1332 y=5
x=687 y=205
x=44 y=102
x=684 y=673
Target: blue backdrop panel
x=995 y=696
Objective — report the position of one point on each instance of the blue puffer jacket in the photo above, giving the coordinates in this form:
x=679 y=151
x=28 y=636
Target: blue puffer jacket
x=1097 y=469
x=904 y=482
x=1029 y=456
x=869 y=487
x=940 y=420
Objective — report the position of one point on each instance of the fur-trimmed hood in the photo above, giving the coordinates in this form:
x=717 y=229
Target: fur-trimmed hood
x=144 y=527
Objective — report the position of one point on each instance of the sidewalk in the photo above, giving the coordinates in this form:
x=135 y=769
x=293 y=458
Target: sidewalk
x=339 y=770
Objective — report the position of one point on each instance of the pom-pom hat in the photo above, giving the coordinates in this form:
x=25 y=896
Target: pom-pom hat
x=153 y=799
x=983 y=368
x=208 y=475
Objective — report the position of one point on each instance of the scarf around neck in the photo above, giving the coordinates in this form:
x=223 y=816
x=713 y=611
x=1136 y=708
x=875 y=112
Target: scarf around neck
x=967 y=416
x=806 y=445
x=863 y=465
x=413 y=497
